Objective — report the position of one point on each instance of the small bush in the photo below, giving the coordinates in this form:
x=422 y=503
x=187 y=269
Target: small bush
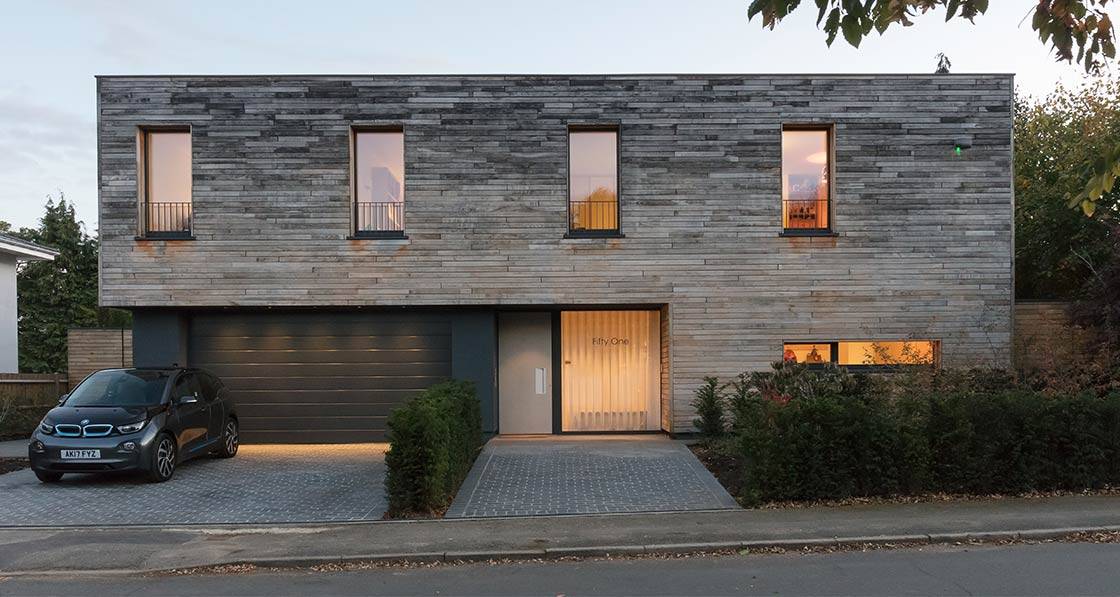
x=434 y=439
x=812 y=434
x=708 y=404
x=742 y=403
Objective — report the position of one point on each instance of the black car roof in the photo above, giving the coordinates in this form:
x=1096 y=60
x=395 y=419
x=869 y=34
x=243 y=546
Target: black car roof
x=168 y=370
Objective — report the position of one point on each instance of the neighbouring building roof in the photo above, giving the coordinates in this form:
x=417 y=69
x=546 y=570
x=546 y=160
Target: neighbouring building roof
x=25 y=250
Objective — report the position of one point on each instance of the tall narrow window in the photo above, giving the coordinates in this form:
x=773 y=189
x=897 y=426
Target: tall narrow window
x=166 y=209
x=806 y=189
x=379 y=183
x=593 y=182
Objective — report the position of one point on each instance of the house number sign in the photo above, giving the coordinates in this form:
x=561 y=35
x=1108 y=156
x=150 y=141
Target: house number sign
x=612 y=341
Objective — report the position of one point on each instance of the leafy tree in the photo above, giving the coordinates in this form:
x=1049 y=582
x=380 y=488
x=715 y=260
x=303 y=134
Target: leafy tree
x=1060 y=24
x=1098 y=307
x=1057 y=250
x=60 y=294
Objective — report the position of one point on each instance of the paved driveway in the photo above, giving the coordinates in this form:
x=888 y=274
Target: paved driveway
x=262 y=484
x=582 y=475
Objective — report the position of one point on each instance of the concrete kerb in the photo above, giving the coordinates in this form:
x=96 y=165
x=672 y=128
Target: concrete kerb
x=684 y=548
x=605 y=551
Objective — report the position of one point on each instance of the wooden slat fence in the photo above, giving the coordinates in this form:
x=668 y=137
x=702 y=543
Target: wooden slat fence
x=25 y=398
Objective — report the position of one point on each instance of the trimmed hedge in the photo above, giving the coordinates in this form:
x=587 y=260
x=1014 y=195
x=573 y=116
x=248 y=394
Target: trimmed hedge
x=434 y=439
x=826 y=434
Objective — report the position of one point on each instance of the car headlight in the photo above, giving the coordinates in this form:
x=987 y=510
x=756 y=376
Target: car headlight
x=131 y=427
x=46 y=427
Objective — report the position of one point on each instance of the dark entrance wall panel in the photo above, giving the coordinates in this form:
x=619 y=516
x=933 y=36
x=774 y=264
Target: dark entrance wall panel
x=474 y=352
x=159 y=338
x=322 y=376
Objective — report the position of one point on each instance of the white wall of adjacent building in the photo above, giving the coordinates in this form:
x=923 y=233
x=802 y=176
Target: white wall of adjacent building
x=9 y=329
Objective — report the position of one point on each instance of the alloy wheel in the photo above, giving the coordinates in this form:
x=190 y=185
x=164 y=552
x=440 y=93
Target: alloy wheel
x=231 y=438
x=165 y=458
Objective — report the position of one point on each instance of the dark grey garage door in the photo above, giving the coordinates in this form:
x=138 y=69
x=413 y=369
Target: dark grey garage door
x=321 y=377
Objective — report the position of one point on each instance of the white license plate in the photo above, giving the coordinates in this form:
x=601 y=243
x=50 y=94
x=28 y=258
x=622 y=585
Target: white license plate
x=81 y=454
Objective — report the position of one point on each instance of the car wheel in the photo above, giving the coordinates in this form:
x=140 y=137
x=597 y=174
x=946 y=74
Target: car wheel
x=48 y=477
x=230 y=439
x=163 y=462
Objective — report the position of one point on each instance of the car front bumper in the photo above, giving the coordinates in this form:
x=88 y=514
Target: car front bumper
x=114 y=455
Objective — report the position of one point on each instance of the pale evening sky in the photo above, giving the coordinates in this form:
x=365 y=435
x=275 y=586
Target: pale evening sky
x=52 y=49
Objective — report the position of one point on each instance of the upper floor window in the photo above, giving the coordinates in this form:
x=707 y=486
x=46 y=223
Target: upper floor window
x=865 y=353
x=378 y=157
x=593 y=182
x=165 y=183
x=806 y=179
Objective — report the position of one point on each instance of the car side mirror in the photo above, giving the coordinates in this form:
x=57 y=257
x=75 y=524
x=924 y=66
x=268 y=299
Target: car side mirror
x=188 y=399
x=62 y=399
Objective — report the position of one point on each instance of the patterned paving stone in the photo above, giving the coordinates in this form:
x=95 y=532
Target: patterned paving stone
x=533 y=477
x=262 y=484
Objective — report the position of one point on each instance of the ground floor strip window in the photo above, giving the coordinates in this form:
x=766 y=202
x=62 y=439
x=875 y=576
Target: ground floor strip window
x=867 y=353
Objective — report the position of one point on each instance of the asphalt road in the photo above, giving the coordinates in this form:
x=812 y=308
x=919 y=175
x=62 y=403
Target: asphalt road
x=1047 y=569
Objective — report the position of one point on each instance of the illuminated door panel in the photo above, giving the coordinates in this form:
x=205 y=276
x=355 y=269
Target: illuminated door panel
x=611 y=370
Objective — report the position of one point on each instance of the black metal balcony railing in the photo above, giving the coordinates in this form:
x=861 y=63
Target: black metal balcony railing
x=805 y=214
x=380 y=216
x=593 y=215
x=168 y=219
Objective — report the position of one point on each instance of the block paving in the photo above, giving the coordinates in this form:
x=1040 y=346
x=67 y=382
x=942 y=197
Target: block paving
x=262 y=484
x=533 y=477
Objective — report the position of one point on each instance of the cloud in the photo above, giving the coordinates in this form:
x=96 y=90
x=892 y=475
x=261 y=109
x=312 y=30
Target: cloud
x=47 y=118
x=44 y=150
x=217 y=37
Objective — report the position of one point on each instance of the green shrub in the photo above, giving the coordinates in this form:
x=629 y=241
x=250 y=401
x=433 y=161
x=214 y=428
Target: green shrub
x=708 y=404
x=821 y=446
x=742 y=403
x=808 y=434
x=434 y=439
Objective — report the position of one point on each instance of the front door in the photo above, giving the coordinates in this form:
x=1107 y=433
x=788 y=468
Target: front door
x=611 y=370
x=524 y=373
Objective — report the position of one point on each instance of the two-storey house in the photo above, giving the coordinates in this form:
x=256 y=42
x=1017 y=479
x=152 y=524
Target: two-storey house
x=585 y=248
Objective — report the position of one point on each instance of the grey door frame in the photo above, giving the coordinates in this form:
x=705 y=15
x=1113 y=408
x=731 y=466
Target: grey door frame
x=557 y=372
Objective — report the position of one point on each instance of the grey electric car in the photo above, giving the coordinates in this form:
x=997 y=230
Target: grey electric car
x=147 y=420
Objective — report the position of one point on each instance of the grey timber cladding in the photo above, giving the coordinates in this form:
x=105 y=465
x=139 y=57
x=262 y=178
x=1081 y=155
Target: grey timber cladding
x=924 y=247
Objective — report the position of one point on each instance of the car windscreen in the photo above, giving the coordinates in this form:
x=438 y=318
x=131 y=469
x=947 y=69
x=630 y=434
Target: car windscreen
x=120 y=388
